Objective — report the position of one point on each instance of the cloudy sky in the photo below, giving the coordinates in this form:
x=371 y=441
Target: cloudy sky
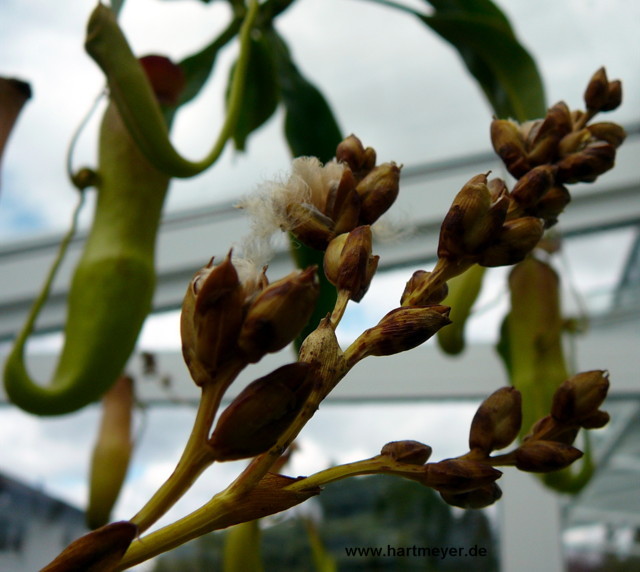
x=390 y=80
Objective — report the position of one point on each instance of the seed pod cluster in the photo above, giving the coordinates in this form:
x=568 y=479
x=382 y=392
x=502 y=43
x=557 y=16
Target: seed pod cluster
x=320 y=202
x=549 y=444
x=231 y=312
x=560 y=149
x=578 y=398
x=477 y=229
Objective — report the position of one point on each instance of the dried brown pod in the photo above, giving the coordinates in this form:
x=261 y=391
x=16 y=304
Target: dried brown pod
x=410 y=452
x=378 y=191
x=533 y=186
x=400 y=330
x=97 y=551
x=580 y=396
x=551 y=205
x=418 y=279
x=517 y=238
x=349 y=263
x=278 y=314
x=614 y=96
x=212 y=314
x=459 y=475
x=256 y=418
x=481 y=497
x=352 y=152
x=545 y=456
x=597 y=93
x=588 y=164
x=612 y=133
x=508 y=143
x=473 y=221
x=596 y=420
x=497 y=421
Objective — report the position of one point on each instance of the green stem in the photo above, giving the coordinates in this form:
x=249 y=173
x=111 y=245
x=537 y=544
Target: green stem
x=374 y=465
x=340 y=307
x=196 y=457
x=203 y=520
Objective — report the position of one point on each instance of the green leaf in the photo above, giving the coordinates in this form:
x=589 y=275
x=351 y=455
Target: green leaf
x=261 y=93
x=475 y=7
x=485 y=40
x=198 y=67
x=310 y=126
x=504 y=69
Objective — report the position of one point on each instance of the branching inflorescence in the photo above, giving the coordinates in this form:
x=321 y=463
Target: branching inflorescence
x=232 y=316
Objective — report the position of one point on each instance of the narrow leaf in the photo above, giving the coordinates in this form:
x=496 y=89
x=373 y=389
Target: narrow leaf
x=198 y=67
x=310 y=126
x=505 y=71
x=261 y=96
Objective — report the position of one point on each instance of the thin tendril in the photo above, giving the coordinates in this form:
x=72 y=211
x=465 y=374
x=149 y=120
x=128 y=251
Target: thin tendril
x=76 y=135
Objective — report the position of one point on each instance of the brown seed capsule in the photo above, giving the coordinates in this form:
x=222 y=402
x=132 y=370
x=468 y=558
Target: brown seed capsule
x=459 y=475
x=580 y=396
x=574 y=142
x=543 y=136
x=212 y=313
x=561 y=117
x=498 y=188
x=378 y=191
x=552 y=204
x=473 y=221
x=517 y=238
x=343 y=204
x=532 y=186
x=475 y=499
x=545 y=456
x=352 y=152
x=597 y=92
x=585 y=166
x=349 y=264
x=542 y=428
x=417 y=280
x=614 y=96
x=596 y=420
x=256 y=418
x=99 y=550
x=612 y=133
x=410 y=452
x=497 y=421
x=278 y=314
x=400 y=330
x=508 y=143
